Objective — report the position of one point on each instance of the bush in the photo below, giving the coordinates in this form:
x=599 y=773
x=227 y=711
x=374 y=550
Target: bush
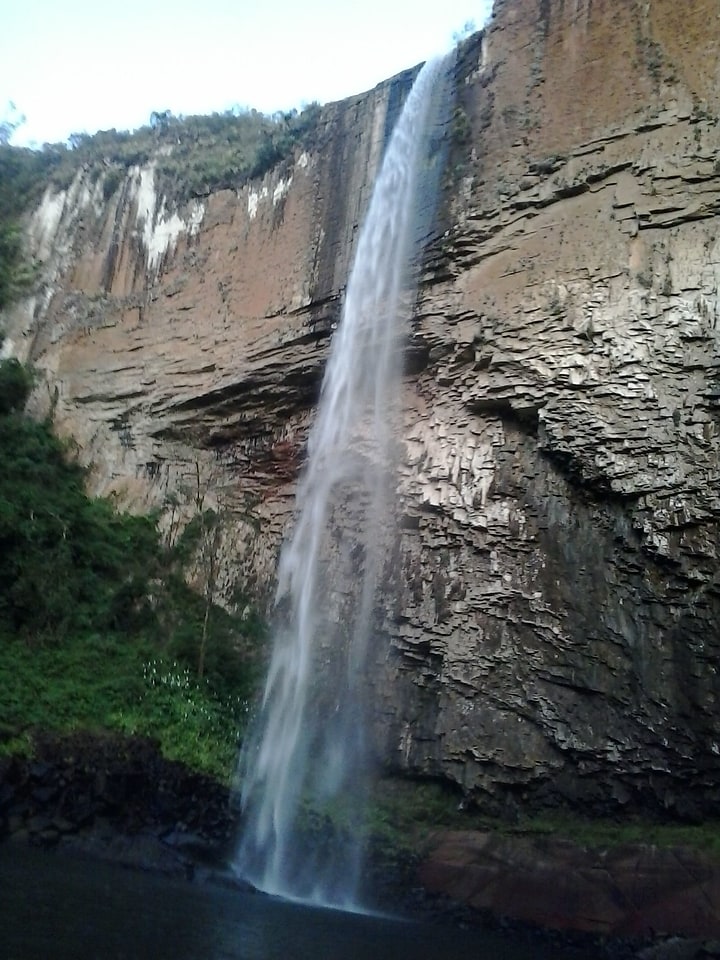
x=195 y=155
x=67 y=562
x=98 y=627
x=190 y=720
x=117 y=683
x=23 y=176
x=15 y=386
x=16 y=275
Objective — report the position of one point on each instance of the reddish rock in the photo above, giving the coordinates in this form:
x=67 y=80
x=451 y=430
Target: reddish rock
x=627 y=891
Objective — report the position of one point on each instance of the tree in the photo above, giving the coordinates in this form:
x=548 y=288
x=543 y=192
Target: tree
x=69 y=564
x=12 y=119
x=467 y=29
x=15 y=273
x=207 y=635
x=15 y=386
x=160 y=120
x=209 y=562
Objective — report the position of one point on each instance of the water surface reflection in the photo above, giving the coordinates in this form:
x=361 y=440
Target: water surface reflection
x=57 y=907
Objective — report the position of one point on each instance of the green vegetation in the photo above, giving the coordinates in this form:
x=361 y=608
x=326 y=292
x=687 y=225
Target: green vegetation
x=98 y=627
x=14 y=278
x=119 y=683
x=404 y=813
x=194 y=155
x=15 y=384
x=22 y=178
x=604 y=833
x=68 y=564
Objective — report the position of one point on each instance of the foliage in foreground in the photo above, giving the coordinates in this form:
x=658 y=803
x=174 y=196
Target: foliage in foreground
x=98 y=627
x=101 y=683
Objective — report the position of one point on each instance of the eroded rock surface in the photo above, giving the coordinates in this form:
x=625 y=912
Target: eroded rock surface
x=558 y=629
x=550 y=630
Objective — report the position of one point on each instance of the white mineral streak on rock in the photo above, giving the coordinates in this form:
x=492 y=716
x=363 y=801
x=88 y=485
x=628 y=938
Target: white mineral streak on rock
x=46 y=221
x=160 y=229
x=281 y=190
x=255 y=197
x=274 y=188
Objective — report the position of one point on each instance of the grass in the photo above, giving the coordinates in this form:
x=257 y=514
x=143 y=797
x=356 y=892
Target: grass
x=606 y=833
x=114 y=683
x=404 y=814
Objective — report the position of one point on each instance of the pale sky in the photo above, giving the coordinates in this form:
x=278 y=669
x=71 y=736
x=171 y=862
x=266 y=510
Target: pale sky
x=84 y=65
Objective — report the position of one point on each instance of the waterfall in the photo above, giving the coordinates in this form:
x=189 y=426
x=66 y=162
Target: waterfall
x=305 y=762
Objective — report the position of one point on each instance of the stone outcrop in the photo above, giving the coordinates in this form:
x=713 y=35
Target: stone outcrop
x=551 y=632
x=626 y=891
x=116 y=798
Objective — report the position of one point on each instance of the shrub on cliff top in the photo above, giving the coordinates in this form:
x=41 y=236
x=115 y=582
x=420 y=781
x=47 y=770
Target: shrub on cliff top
x=194 y=155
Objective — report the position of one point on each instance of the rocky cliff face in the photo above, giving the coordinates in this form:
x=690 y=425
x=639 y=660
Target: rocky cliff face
x=183 y=345
x=552 y=631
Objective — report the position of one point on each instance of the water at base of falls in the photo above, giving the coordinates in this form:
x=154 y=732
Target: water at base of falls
x=58 y=907
x=305 y=763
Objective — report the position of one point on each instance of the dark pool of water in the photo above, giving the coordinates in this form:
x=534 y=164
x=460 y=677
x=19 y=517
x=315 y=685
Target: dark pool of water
x=57 y=907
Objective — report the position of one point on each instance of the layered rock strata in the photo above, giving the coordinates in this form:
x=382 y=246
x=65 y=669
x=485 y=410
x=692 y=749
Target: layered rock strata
x=550 y=628
x=557 y=632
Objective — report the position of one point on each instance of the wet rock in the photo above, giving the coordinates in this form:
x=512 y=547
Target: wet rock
x=44 y=795
x=115 y=788
x=224 y=878
x=7 y=795
x=625 y=892
x=674 y=948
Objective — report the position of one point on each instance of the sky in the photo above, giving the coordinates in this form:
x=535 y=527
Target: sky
x=86 y=65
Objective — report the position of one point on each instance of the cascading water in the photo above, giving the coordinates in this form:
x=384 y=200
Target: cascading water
x=307 y=755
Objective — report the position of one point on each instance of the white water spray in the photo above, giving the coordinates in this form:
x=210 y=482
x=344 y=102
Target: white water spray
x=306 y=758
